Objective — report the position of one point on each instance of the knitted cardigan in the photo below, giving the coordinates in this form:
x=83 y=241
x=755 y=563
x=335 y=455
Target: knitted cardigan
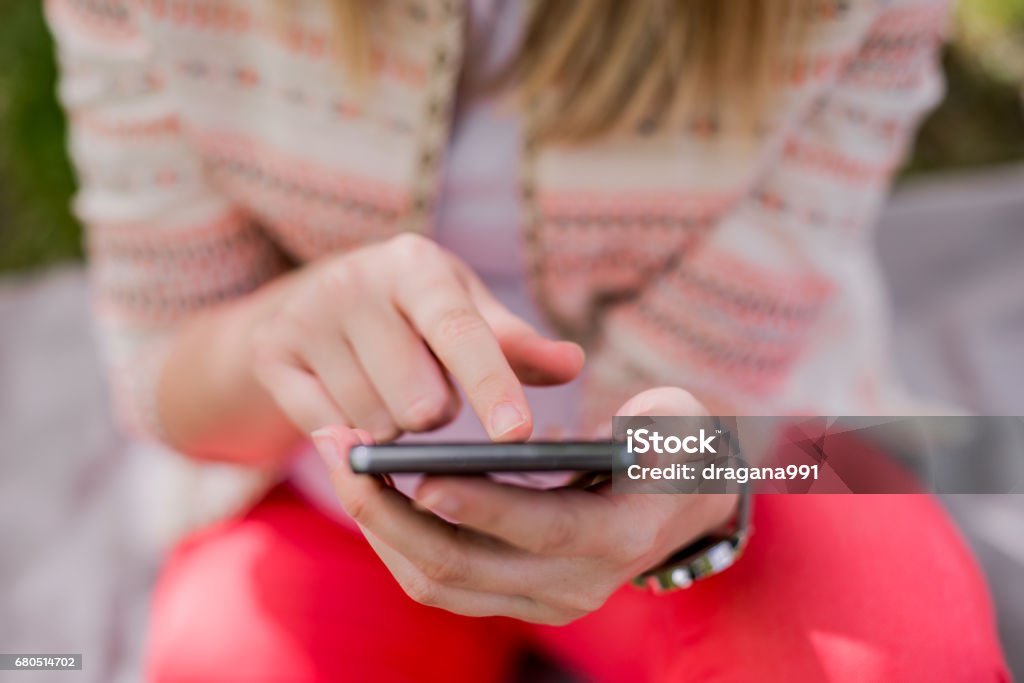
x=217 y=144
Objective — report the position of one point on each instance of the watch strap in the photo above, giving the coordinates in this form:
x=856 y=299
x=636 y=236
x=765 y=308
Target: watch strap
x=708 y=555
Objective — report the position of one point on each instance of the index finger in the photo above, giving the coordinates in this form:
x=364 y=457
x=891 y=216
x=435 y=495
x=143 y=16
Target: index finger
x=441 y=310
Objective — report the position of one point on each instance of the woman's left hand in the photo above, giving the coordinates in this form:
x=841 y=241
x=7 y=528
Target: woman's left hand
x=541 y=556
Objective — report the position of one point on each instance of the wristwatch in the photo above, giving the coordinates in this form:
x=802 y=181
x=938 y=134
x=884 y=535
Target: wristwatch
x=706 y=556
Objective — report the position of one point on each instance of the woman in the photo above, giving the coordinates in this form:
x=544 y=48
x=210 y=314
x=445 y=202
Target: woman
x=345 y=217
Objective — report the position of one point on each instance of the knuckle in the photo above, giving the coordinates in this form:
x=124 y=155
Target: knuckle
x=584 y=601
x=293 y=321
x=558 y=533
x=410 y=247
x=268 y=347
x=359 y=506
x=457 y=323
x=338 y=282
x=448 y=567
x=491 y=384
x=422 y=590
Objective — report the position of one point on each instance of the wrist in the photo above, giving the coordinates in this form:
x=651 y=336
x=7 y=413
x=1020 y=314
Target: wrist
x=710 y=552
x=719 y=510
x=209 y=402
x=698 y=515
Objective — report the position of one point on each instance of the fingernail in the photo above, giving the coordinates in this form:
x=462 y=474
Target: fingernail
x=504 y=418
x=327 y=447
x=441 y=503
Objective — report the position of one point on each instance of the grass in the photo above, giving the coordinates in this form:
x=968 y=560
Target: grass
x=36 y=227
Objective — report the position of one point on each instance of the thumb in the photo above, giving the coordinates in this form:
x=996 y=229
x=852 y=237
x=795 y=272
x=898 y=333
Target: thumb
x=663 y=401
x=334 y=442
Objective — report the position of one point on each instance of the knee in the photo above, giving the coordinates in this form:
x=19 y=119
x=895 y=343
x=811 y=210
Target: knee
x=189 y=639
x=222 y=610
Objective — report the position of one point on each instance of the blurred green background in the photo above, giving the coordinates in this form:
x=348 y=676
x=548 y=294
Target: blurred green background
x=980 y=123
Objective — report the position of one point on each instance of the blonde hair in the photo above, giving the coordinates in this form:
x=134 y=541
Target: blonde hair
x=591 y=67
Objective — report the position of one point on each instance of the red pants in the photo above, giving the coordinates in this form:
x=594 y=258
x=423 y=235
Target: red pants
x=837 y=588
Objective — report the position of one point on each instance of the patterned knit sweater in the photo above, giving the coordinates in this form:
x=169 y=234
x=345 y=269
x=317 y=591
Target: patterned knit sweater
x=218 y=143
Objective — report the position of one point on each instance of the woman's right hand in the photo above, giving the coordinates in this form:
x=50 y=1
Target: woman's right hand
x=374 y=339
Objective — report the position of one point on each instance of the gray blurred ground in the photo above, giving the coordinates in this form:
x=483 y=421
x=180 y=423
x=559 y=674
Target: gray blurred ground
x=953 y=250
x=76 y=560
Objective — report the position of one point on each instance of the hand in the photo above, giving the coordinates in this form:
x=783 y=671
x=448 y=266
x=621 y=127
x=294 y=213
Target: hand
x=541 y=556
x=373 y=338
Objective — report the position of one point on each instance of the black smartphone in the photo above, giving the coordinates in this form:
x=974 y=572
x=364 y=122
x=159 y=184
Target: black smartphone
x=481 y=458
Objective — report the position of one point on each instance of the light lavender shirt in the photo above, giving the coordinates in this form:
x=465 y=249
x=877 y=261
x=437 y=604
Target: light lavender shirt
x=479 y=218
